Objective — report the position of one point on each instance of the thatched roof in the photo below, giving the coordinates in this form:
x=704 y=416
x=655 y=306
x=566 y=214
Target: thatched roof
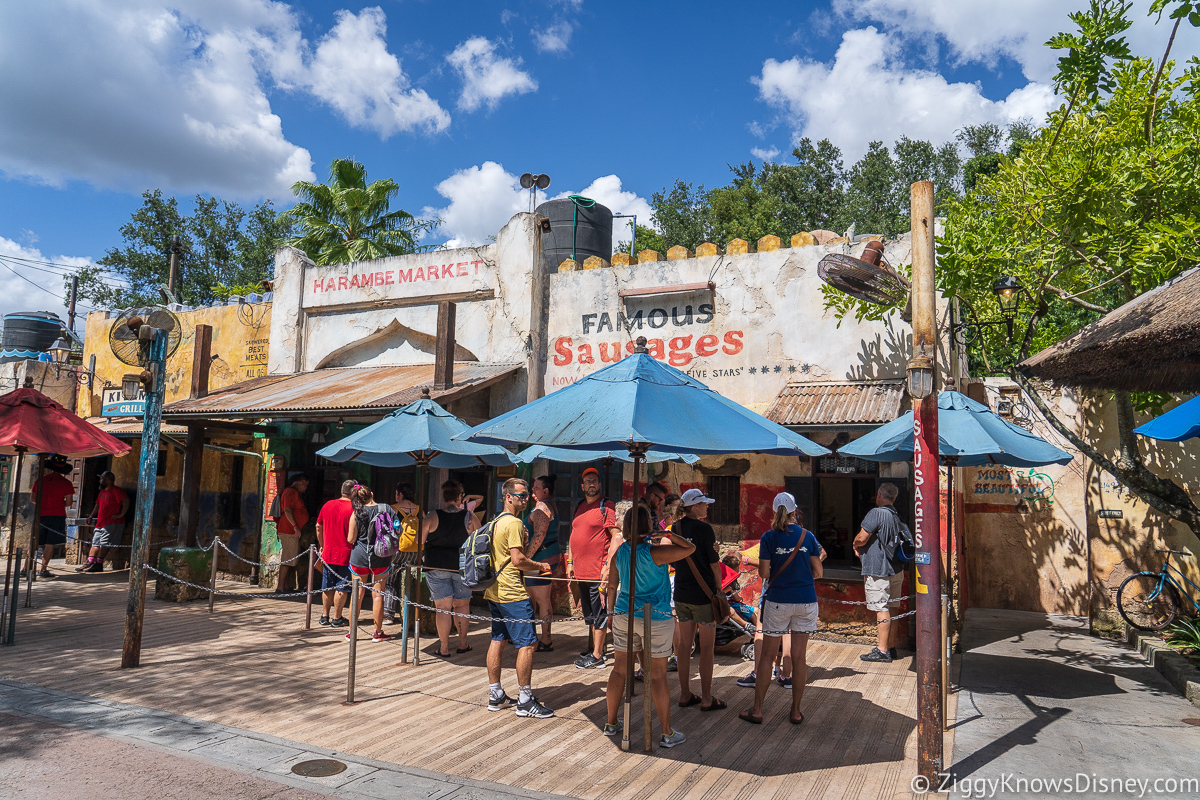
x=1152 y=343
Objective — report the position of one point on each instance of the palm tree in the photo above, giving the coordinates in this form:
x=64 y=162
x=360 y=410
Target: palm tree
x=348 y=218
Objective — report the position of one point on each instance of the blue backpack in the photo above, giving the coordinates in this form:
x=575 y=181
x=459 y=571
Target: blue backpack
x=475 y=563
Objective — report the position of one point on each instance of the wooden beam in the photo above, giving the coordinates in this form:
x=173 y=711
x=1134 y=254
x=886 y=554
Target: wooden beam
x=201 y=361
x=193 y=470
x=683 y=288
x=443 y=359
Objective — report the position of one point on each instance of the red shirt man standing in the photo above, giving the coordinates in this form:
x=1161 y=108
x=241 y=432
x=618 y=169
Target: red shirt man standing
x=595 y=534
x=109 y=516
x=57 y=496
x=333 y=528
x=290 y=526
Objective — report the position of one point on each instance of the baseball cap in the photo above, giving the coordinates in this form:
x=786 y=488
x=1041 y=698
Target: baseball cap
x=693 y=496
x=590 y=471
x=786 y=500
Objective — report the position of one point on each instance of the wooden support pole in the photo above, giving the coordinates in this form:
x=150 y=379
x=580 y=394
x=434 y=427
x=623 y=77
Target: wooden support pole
x=404 y=613
x=193 y=454
x=12 y=606
x=926 y=479
x=10 y=579
x=35 y=527
x=212 y=579
x=155 y=342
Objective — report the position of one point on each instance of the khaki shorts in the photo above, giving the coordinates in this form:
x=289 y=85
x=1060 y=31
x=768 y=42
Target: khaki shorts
x=780 y=618
x=692 y=612
x=662 y=633
x=289 y=546
x=882 y=592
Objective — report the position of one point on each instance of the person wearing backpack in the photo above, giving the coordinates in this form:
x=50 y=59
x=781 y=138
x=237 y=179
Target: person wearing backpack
x=443 y=533
x=789 y=563
x=365 y=561
x=509 y=603
x=877 y=543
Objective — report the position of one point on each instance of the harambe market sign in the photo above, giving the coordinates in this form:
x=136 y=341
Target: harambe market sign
x=400 y=278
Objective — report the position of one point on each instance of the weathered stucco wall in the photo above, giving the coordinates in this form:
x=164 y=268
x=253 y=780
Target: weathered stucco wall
x=239 y=349
x=764 y=324
x=1060 y=539
x=384 y=312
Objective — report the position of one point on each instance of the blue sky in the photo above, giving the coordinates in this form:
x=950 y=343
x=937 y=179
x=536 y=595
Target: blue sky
x=238 y=98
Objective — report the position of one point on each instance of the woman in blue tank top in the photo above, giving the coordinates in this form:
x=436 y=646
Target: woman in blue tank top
x=653 y=586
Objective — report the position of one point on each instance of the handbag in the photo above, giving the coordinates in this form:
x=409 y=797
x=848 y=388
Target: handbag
x=720 y=606
x=786 y=563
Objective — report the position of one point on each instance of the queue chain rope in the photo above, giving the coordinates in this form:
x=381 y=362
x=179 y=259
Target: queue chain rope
x=477 y=617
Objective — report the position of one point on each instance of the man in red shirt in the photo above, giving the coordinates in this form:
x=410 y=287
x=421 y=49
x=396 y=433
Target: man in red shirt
x=55 y=499
x=333 y=530
x=109 y=516
x=595 y=535
x=290 y=526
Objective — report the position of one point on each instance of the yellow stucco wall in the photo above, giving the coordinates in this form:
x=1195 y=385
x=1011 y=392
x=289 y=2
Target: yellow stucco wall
x=239 y=347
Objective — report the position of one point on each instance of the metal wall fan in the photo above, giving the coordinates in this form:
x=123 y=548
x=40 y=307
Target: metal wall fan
x=123 y=336
x=870 y=278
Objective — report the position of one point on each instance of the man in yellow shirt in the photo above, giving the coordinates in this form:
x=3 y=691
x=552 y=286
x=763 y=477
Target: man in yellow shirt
x=510 y=605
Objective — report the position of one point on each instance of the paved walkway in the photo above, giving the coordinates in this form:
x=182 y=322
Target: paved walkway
x=1042 y=698
x=129 y=751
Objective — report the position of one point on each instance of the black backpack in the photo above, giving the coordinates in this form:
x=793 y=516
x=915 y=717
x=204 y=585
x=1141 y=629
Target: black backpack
x=900 y=547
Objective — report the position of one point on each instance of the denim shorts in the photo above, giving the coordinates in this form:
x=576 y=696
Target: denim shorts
x=444 y=584
x=337 y=577
x=521 y=634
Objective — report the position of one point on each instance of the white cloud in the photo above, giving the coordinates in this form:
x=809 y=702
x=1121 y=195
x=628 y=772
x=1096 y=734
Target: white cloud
x=554 y=38
x=868 y=94
x=483 y=198
x=33 y=287
x=487 y=78
x=135 y=93
x=985 y=30
x=764 y=155
x=354 y=73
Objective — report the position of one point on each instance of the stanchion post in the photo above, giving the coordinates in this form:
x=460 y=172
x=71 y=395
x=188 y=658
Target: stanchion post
x=648 y=680
x=12 y=603
x=308 y=597
x=404 y=615
x=353 y=639
x=212 y=579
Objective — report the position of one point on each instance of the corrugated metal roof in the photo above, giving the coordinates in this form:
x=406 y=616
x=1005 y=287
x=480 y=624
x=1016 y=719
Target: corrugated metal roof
x=129 y=426
x=340 y=389
x=846 y=403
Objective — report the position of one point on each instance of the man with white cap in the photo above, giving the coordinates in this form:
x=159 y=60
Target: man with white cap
x=693 y=604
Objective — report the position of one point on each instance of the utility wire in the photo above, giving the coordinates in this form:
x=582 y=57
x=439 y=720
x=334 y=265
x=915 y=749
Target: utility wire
x=64 y=300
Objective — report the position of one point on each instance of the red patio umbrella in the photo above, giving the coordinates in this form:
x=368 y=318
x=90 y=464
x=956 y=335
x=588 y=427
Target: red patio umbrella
x=32 y=422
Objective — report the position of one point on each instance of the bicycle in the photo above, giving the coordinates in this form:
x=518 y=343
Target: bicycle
x=1150 y=601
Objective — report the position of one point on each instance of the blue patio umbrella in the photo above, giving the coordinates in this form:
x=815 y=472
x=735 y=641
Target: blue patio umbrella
x=637 y=404
x=531 y=454
x=967 y=431
x=421 y=433
x=1181 y=422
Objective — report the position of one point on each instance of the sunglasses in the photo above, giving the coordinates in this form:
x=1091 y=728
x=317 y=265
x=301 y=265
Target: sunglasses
x=520 y=496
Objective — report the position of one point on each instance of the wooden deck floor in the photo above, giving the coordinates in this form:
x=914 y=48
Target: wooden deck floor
x=251 y=665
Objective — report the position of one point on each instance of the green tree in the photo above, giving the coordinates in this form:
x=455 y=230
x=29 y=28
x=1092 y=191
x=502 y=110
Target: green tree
x=873 y=203
x=349 y=219
x=1092 y=213
x=223 y=250
x=819 y=188
x=681 y=215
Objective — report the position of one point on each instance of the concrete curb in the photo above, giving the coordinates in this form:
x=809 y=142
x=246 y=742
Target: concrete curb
x=255 y=753
x=1178 y=671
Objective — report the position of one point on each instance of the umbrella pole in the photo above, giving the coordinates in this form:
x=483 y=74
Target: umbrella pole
x=638 y=452
x=423 y=482
x=12 y=539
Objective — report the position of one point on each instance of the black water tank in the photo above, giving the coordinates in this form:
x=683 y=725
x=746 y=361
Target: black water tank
x=587 y=221
x=28 y=334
